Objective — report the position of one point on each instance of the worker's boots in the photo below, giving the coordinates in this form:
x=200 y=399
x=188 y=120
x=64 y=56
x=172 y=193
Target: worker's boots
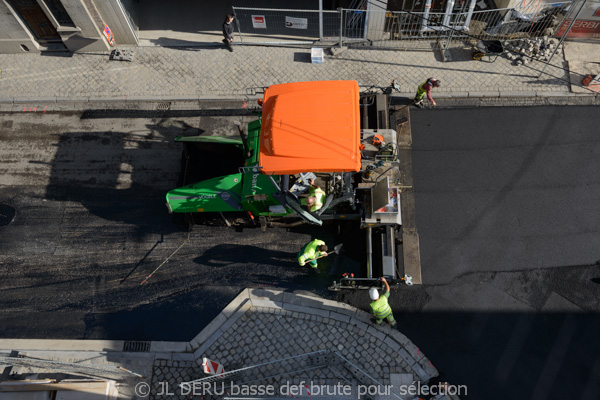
x=419 y=104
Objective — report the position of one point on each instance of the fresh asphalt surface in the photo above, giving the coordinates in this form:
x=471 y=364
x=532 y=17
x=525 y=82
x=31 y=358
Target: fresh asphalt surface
x=506 y=189
x=507 y=214
x=509 y=221
x=509 y=224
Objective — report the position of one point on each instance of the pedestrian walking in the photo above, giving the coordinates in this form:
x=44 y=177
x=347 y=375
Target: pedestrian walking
x=311 y=251
x=380 y=309
x=228 y=31
x=425 y=89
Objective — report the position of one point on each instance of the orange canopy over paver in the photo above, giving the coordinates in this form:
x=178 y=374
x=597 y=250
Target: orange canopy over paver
x=310 y=126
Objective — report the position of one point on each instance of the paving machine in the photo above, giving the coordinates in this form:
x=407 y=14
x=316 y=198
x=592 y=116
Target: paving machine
x=310 y=132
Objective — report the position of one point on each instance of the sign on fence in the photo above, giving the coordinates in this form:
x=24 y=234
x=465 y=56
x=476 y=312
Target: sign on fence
x=580 y=29
x=259 y=22
x=296 y=23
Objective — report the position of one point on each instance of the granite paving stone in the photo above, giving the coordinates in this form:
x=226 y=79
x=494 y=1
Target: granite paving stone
x=161 y=72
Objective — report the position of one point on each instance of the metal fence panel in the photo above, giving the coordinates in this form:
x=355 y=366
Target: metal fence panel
x=519 y=22
x=411 y=30
x=398 y=29
x=281 y=26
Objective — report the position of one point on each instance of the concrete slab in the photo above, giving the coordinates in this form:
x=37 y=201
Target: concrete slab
x=378 y=331
x=235 y=317
x=420 y=372
x=198 y=354
x=232 y=307
x=484 y=94
x=406 y=357
x=266 y=303
x=62 y=345
x=183 y=357
x=339 y=317
x=307 y=310
x=208 y=331
x=266 y=294
x=173 y=347
x=578 y=70
x=581 y=51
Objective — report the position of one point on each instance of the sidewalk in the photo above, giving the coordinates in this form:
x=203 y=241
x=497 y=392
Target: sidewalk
x=201 y=73
x=259 y=326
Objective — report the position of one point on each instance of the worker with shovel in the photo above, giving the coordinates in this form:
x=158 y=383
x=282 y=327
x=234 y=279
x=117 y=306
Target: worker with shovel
x=311 y=251
x=380 y=309
x=314 y=250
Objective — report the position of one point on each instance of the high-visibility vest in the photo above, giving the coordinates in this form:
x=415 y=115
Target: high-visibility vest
x=381 y=308
x=319 y=195
x=310 y=251
x=420 y=89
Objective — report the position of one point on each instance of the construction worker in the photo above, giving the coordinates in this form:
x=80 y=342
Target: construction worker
x=315 y=199
x=311 y=251
x=425 y=89
x=380 y=309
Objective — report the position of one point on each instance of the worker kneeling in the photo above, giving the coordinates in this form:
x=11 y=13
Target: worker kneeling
x=311 y=251
x=380 y=309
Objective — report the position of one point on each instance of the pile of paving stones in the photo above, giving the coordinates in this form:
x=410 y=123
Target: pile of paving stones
x=522 y=51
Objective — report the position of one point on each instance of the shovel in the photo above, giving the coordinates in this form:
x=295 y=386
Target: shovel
x=336 y=250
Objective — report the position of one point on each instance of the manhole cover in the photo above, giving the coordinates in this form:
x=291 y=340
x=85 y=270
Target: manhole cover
x=7 y=214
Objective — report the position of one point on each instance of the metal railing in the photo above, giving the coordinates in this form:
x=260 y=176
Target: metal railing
x=397 y=29
x=269 y=370
x=292 y=368
x=284 y=26
x=90 y=370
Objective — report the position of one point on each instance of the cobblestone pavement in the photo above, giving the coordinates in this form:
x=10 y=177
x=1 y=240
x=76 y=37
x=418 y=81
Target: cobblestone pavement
x=263 y=337
x=275 y=338
x=189 y=73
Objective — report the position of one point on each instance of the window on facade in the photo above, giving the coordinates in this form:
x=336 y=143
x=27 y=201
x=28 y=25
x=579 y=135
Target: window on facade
x=59 y=13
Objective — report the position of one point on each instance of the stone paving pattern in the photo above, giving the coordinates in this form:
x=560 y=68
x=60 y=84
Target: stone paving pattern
x=275 y=335
x=258 y=326
x=190 y=73
x=262 y=326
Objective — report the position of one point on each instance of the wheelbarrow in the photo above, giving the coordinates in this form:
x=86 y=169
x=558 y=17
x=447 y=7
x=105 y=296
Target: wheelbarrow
x=491 y=49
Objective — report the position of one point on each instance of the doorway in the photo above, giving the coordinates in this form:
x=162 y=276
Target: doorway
x=36 y=20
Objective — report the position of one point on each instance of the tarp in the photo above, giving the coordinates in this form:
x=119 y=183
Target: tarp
x=310 y=127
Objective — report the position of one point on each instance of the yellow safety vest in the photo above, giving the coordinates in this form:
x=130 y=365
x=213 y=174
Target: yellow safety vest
x=319 y=195
x=310 y=251
x=380 y=307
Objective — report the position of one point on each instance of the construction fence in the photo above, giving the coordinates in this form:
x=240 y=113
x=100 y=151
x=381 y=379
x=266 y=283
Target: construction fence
x=399 y=29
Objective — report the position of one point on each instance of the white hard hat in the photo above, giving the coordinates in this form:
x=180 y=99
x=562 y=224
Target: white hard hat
x=373 y=293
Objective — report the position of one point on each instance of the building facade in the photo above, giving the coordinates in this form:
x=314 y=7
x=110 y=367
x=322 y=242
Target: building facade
x=80 y=26
x=63 y=25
